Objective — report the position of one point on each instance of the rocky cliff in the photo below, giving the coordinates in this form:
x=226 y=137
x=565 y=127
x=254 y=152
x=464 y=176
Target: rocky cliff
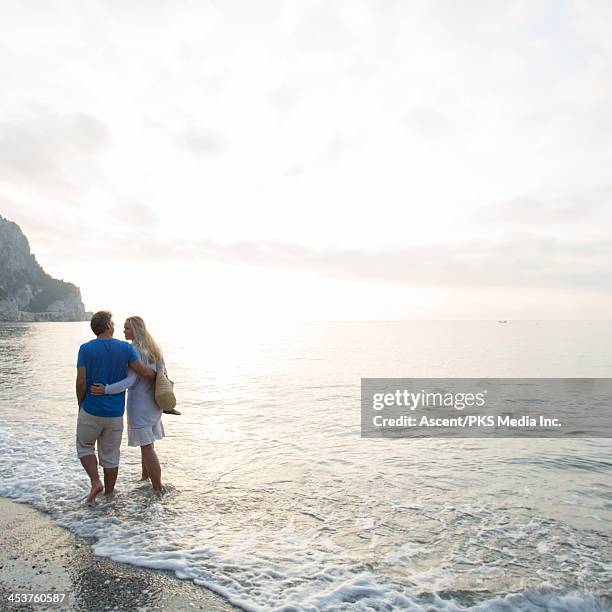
x=27 y=292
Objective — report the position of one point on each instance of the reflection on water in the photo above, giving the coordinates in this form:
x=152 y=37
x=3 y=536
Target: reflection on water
x=273 y=497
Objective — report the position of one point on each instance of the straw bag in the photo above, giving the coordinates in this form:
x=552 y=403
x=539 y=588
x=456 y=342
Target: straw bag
x=164 y=390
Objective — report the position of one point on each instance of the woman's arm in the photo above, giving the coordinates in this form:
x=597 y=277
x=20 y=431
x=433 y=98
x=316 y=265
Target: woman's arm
x=122 y=385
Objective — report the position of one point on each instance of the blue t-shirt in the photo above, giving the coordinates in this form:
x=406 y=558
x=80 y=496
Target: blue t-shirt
x=106 y=360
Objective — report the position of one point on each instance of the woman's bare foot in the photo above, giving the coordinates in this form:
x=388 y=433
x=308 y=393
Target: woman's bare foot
x=96 y=489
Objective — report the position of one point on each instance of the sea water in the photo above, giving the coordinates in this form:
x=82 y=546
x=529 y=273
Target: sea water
x=275 y=501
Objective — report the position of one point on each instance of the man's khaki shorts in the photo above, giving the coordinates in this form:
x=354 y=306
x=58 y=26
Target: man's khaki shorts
x=106 y=431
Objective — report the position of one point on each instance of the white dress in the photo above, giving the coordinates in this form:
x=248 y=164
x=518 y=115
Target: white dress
x=143 y=414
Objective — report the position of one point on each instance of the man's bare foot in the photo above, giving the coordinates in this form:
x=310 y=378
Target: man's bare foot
x=96 y=489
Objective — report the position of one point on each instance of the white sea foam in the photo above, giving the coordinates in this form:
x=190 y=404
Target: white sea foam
x=37 y=471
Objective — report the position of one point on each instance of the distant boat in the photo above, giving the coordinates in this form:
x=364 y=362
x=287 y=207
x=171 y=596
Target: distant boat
x=504 y=321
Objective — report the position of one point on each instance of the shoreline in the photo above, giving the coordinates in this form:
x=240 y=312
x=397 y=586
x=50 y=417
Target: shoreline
x=37 y=555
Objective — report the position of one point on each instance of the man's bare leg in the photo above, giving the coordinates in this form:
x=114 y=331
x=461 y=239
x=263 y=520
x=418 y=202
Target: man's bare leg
x=90 y=463
x=152 y=464
x=145 y=474
x=110 y=478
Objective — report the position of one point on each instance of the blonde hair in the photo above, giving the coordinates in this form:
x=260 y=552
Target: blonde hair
x=143 y=340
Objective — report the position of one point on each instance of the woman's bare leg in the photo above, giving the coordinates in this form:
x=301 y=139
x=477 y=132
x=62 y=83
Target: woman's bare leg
x=151 y=463
x=145 y=474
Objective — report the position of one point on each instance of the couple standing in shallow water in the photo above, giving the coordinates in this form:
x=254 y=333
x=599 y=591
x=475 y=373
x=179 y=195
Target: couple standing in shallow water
x=106 y=368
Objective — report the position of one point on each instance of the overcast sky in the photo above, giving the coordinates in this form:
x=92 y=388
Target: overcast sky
x=314 y=159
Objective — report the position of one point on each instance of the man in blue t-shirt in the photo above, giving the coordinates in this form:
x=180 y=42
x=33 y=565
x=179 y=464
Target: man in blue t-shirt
x=103 y=360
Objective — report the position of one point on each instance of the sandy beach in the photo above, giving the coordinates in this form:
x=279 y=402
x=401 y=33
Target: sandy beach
x=36 y=555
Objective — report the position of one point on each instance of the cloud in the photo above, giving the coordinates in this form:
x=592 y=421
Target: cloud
x=339 y=145
x=137 y=215
x=552 y=211
x=426 y=123
x=522 y=260
x=519 y=260
x=52 y=153
x=286 y=95
x=59 y=229
x=532 y=212
x=321 y=28
x=201 y=141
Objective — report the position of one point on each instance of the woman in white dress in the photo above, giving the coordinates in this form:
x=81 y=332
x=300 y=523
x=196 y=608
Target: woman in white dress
x=145 y=426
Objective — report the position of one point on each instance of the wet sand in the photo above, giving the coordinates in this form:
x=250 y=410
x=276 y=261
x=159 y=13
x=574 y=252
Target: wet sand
x=36 y=555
